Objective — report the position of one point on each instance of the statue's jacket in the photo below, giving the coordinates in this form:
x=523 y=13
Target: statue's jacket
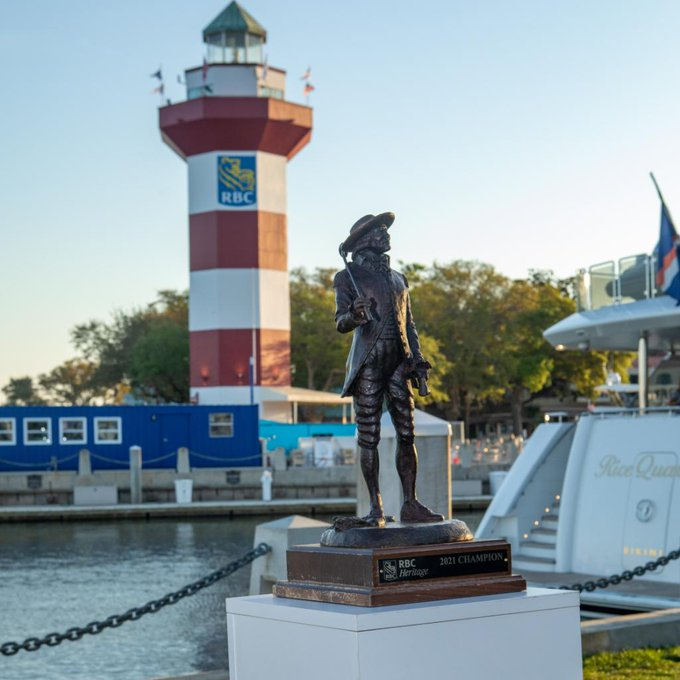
x=386 y=294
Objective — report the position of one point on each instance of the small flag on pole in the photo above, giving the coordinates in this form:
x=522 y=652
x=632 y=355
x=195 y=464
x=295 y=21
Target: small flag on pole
x=308 y=88
x=159 y=90
x=667 y=255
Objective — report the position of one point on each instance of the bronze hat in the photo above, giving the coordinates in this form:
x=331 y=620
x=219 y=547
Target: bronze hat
x=363 y=225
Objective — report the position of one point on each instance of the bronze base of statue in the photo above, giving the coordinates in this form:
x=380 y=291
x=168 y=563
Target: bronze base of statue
x=396 y=534
x=378 y=576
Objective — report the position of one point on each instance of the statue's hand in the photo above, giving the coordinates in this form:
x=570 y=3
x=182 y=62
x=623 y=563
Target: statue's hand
x=361 y=310
x=420 y=373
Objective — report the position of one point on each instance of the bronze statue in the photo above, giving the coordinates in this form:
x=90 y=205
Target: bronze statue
x=372 y=300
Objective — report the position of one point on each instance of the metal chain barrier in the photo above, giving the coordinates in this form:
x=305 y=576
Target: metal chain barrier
x=48 y=464
x=146 y=462
x=23 y=465
x=627 y=575
x=222 y=460
x=97 y=456
x=32 y=644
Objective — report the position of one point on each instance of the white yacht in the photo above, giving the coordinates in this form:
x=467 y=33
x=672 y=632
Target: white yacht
x=601 y=495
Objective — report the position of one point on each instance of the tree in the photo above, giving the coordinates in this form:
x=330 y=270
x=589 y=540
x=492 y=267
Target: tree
x=22 y=392
x=71 y=384
x=573 y=373
x=159 y=364
x=440 y=368
x=490 y=330
x=145 y=351
x=458 y=304
x=318 y=351
x=527 y=360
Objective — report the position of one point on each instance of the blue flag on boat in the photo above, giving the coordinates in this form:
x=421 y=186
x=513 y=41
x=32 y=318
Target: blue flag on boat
x=667 y=264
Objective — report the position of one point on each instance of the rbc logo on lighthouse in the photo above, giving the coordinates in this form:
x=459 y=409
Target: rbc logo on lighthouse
x=236 y=181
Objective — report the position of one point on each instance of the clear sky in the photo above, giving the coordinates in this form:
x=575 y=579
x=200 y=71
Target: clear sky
x=515 y=132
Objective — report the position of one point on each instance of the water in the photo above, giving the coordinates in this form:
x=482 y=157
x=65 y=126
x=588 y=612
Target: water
x=55 y=576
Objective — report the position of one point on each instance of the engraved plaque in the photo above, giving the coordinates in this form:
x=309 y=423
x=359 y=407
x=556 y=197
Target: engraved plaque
x=416 y=568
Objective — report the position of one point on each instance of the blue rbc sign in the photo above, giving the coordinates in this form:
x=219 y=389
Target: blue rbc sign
x=236 y=183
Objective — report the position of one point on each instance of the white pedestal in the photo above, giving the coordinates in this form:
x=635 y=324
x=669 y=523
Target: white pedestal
x=532 y=635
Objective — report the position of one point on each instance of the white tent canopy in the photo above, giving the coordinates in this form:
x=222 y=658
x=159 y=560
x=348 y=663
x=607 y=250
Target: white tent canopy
x=426 y=425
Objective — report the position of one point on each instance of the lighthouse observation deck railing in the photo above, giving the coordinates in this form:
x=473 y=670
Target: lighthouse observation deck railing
x=616 y=282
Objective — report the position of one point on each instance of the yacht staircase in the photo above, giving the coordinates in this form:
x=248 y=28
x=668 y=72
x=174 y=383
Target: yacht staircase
x=537 y=547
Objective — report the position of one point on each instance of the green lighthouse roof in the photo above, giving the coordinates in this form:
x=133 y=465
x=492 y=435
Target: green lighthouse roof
x=234 y=19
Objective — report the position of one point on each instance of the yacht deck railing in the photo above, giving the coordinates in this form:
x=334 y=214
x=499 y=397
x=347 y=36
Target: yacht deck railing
x=635 y=412
x=616 y=282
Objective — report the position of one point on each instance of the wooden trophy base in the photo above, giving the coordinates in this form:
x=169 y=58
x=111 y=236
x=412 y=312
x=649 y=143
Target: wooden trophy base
x=373 y=577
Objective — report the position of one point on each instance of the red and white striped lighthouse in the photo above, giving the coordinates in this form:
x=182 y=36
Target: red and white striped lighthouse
x=237 y=134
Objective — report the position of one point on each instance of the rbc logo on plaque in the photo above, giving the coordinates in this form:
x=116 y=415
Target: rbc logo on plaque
x=236 y=181
x=390 y=569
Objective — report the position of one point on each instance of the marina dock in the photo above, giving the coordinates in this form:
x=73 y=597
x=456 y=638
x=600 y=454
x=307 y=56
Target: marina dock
x=239 y=508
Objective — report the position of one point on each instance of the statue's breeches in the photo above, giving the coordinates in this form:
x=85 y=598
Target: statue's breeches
x=383 y=376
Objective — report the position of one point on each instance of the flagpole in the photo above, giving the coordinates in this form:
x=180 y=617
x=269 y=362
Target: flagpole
x=656 y=186
x=663 y=203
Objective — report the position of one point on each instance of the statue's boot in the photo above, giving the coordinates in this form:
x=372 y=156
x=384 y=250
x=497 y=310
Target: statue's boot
x=414 y=512
x=372 y=520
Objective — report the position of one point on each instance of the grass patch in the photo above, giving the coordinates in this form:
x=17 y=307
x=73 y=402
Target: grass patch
x=633 y=664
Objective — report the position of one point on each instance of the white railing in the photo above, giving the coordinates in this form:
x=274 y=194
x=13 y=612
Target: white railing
x=616 y=282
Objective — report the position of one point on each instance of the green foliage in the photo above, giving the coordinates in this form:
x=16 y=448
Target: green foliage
x=527 y=361
x=22 y=392
x=633 y=664
x=482 y=333
x=458 y=305
x=490 y=329
x=144 y=352
x=440 y=368
x=318 y=351
x=71 y=384
x=159 y=362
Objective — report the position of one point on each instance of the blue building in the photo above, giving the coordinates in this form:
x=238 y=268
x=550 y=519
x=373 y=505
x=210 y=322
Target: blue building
x=51 y=437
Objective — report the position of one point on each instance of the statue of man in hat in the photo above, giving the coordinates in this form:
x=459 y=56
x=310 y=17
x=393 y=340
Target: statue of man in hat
x=372 y=300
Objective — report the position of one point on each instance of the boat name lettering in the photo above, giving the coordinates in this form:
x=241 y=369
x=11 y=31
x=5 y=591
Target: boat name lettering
x=642 y=552
x=645 y=468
